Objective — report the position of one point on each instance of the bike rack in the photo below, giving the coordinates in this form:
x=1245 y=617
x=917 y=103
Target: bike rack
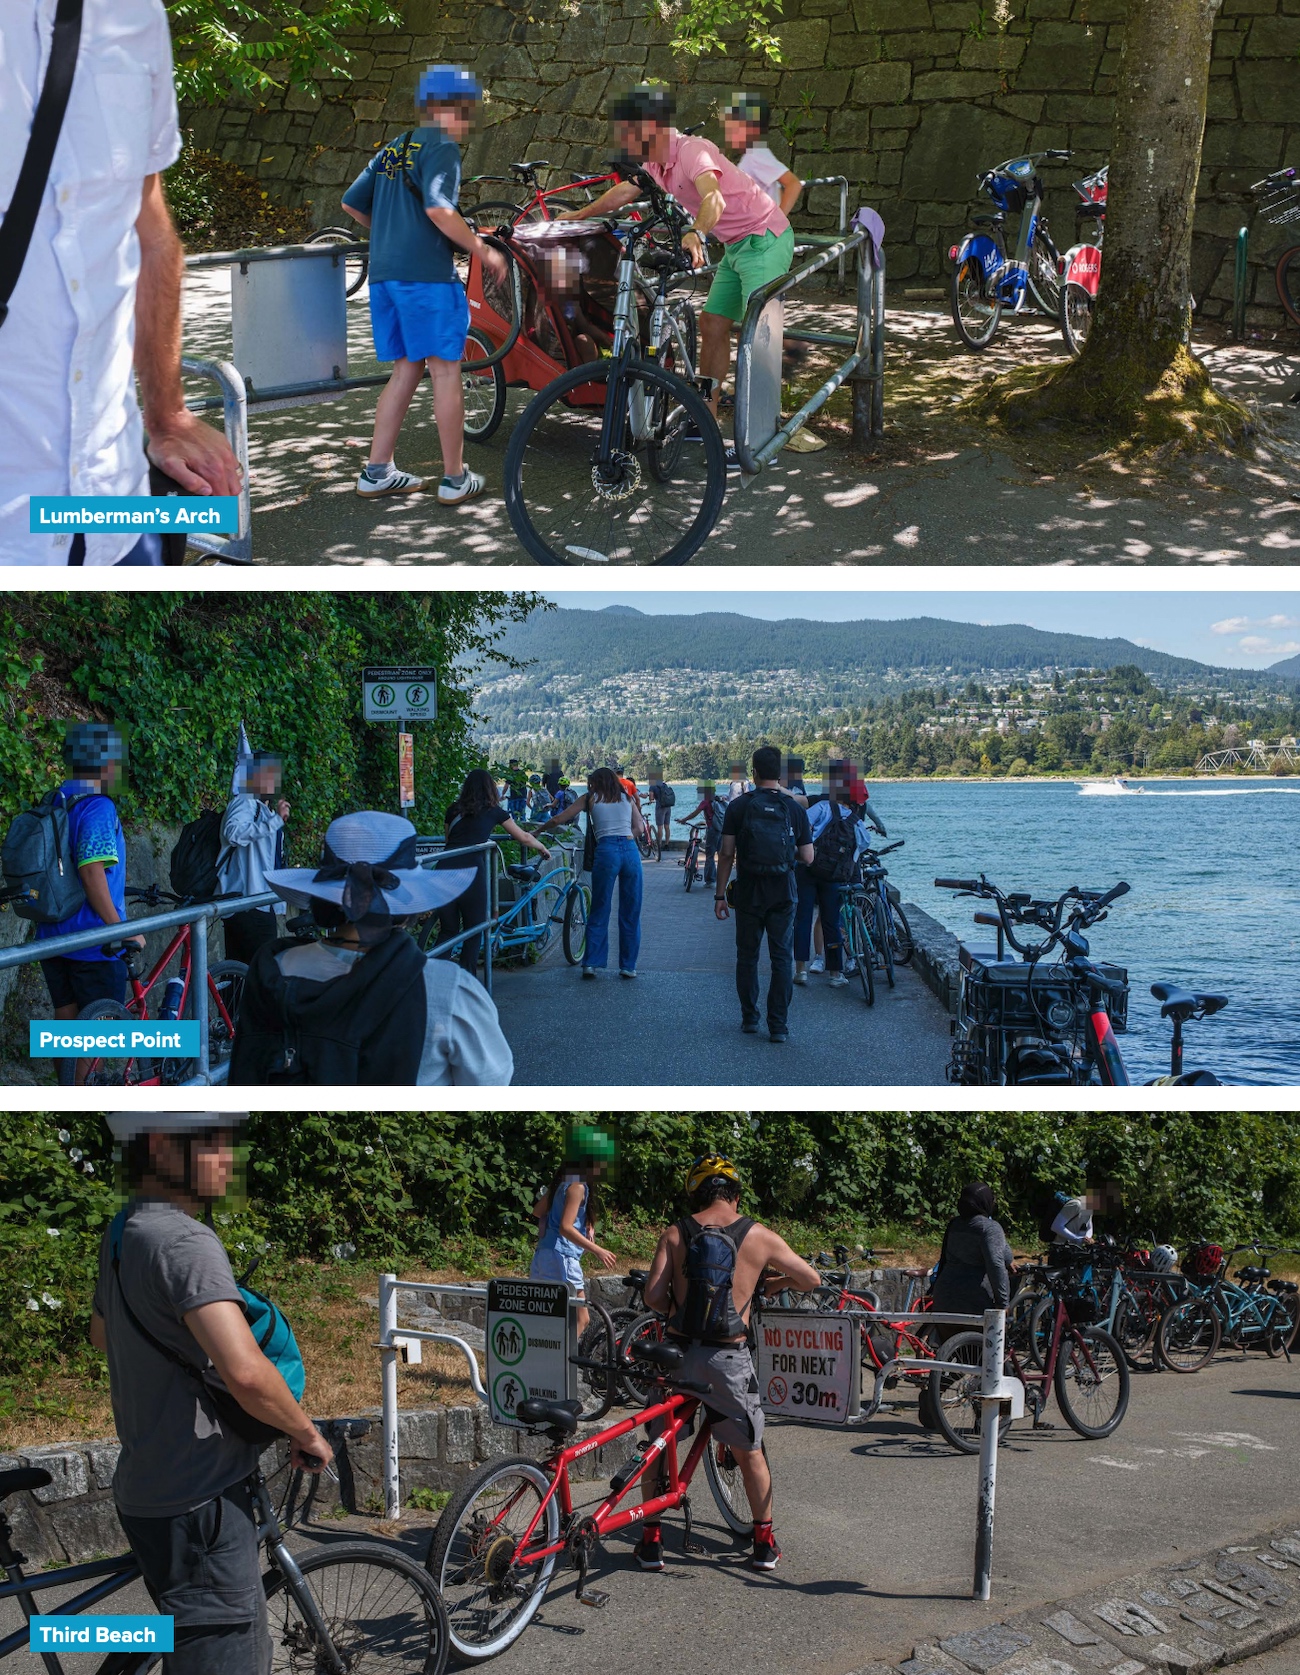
x=288 y=323
x=842 y=182
x=759 y=434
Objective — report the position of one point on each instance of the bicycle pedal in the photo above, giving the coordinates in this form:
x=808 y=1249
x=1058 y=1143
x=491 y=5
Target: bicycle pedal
x=595 y=1597
x=695 y=1547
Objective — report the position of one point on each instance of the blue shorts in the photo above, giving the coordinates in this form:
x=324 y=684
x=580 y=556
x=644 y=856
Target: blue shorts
x=559 y=1268
x=413 y=321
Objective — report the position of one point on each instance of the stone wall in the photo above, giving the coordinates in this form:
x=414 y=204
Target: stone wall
x=907 y=98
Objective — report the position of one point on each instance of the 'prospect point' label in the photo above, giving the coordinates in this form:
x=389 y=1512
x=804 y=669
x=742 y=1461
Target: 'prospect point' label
x=109 y=1038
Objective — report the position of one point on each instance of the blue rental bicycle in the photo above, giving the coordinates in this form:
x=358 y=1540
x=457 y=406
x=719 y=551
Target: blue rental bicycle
x=985 y=282
x=545 y=902
x=1259 y=1313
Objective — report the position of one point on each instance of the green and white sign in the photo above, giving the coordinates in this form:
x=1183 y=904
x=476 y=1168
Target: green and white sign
x=403 y=691
x=527 y=1345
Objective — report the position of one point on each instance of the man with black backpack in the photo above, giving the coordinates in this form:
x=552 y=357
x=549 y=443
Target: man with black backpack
x=252 y=845
x=707 y=1269
x=765 y=832
x=838 y=839
x=78 y=871
x=664 y=799
x=406 y=195
x=194 y=1397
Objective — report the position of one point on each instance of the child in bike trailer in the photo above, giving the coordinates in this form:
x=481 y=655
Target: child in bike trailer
x=707 y=1269
x=169 y=1316
x=566 y=1215
x=406 y=195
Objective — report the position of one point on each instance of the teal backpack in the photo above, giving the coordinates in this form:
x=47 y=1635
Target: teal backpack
x=271 y=1332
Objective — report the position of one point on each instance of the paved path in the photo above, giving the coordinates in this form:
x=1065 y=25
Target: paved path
x=678 y=1024
x=878 y=1532
x=922 y=500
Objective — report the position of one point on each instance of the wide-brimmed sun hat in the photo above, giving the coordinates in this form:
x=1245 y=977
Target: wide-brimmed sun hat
x=369 y=867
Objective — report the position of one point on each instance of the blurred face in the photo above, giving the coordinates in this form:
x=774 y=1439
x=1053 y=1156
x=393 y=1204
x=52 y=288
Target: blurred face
x=266 y=779
x=454 y=120
x=643 y=142
x=738 y=133
x=212 y=1164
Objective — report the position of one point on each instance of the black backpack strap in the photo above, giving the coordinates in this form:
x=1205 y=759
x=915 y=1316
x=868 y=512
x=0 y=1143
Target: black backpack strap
x=20 y=218
x=405 y=169
x=171 y=1355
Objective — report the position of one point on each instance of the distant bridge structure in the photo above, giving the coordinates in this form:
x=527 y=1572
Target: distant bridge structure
x=1253 y=753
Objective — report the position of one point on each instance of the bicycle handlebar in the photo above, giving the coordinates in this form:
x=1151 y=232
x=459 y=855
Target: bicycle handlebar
x=971 y=886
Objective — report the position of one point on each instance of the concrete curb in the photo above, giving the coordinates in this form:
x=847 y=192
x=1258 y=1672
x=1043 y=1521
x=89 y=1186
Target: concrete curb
x=1230 y=1604
x=935 y=960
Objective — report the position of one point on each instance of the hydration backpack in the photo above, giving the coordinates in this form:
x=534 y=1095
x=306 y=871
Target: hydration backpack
x=37 y=859
x=709 y=1310
x=1046 y=1212
x=834 y=851
x=194 y=859
x=271 y=1332
x=765 y=843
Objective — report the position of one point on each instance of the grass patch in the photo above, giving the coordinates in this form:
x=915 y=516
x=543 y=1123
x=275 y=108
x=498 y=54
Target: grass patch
x=428 y=1500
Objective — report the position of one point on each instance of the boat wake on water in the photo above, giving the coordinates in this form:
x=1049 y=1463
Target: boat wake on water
x=1119 y=788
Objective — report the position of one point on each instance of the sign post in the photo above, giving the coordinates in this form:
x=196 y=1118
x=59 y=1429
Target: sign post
x=402 y=692
x=527 y=1345
x=808 y=1366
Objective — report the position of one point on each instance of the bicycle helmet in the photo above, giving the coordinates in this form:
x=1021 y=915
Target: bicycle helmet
x=534 y=779
x=126 y=1125
x=1164 y=1259
x=588 y=1144
x=564 y=783
x=446 y=84
x=647 y=102
x=706 y=1167
x=748 y=107
x=91 y=745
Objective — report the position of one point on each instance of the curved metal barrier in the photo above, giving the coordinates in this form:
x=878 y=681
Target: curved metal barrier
x=759 y=434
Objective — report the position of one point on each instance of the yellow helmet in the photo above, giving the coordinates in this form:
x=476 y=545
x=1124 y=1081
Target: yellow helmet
x=706 y=1167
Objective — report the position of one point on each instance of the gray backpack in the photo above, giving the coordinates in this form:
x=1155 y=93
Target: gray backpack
x=38 y=863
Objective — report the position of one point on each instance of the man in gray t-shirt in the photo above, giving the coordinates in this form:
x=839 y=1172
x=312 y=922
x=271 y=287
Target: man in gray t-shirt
x=181 y=1481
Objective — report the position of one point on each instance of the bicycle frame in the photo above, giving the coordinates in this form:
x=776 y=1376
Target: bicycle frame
x=119 y=1573
x=142 y=989
x=515 y=929
x=1061 y=1326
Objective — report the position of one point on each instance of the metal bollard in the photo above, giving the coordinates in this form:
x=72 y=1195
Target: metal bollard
x=1240 y=285
x=388 y=1376
x=995 y=1339
x=199 y=986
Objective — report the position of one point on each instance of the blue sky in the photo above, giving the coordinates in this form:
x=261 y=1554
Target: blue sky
x=1239 y=630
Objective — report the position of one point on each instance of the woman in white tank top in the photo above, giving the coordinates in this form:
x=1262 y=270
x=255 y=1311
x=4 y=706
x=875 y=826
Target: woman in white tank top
x=616 y=823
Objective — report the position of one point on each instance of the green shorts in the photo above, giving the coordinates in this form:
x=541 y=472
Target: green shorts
x=745 y=266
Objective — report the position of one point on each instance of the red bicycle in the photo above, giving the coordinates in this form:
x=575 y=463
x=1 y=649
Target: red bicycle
x=502 y=1536
x=225 y=987
x=541 y=204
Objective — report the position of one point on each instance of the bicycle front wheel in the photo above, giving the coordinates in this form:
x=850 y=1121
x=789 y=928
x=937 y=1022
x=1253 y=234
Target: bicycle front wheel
x=1189 y=1335
x=883 y=940
x=900 y=935
x=379 y=1610
x=1076 y=316
x=116 y=1073
x=858 y=949
x=1044 y=275
x=955 y=1396
x=1092 y=1383
x=576 y=912
x=976 y=306
x=573 y=500
x=484 y=392
x=688 y=868
x=728 y=1487
x=491 y=1586
x=1287 y=277
x=598 y=1386
x=639 y=1380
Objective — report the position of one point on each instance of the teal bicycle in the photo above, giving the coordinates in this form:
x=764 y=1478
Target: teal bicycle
x=547 y=902
x=1260 y=1313
x=857 y=916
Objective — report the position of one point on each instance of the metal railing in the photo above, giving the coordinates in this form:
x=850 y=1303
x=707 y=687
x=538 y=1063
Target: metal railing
x=842 y=182
x=758 y=372
x=233 y=402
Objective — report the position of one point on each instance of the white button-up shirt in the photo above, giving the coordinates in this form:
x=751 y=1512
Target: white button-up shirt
x=69 y=422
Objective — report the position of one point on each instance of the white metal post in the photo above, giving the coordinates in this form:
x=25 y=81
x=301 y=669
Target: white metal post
x=991 y=1397
x=388 y=1370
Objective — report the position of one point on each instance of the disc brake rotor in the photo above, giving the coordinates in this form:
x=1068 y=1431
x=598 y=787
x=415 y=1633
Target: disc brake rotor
x=618 y=479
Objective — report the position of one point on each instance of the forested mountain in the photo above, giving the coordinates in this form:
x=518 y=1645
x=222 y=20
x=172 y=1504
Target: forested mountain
x=1288 y=669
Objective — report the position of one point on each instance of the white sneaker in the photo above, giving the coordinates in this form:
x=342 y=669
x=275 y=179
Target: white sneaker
x=801 y=974
x=396 y=482
x=836 y=980
x=451 y=494
x=850 y=966
x=817 y=963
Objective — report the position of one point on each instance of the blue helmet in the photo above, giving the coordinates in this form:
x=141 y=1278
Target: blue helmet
x=446 y=83
x=91 y=746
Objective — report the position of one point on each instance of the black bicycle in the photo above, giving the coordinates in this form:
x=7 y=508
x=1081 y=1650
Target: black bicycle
x=1029 y=1023
x=349 y=1608
x=891 y=934
x=696 y=854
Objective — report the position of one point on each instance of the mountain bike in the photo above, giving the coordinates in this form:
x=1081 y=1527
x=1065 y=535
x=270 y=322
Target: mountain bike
x=891 y=933
x=547 y=900
x=225 y=989
x=1025 y=1023
x=1279 y=203
x=984 y=281
x=513 y=1522
x=618 y=460
x=696 y=854
x=1081 y=264
x=1083 y=1364
x=351 y=1608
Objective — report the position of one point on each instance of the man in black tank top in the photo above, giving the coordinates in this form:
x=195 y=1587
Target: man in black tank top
x=707 y=1269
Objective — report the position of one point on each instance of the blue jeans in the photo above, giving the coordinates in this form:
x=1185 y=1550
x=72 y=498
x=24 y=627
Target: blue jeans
x=815 y=897
x=616 y=858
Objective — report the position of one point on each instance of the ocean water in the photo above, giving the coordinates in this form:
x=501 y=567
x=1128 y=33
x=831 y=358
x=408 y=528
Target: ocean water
x=1214 y=870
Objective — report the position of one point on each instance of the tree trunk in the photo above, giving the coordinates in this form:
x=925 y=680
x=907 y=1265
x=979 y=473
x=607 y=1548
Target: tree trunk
x=1143 y=315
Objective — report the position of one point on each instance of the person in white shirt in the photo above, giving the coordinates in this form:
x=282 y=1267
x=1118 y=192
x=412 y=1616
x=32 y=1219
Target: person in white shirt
x=99 y=290
x=744 y=128
x=1073 y=1223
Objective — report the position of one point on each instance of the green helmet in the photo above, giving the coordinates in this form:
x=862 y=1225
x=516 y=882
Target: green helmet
x=587 y=1144
x=563 y=782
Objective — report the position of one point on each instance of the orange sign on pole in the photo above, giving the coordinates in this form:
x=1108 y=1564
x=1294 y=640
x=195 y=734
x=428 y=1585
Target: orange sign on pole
x=406 y=770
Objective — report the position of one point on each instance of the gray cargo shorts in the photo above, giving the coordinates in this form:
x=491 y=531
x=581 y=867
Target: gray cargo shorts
x=728 y=1370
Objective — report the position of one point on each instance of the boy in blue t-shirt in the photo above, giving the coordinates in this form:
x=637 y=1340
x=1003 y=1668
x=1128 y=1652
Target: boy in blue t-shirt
x=406 y=195
x=93 y=753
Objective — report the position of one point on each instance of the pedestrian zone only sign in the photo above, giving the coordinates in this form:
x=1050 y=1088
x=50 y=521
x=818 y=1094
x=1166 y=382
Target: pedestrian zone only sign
x=405 y=690
x=808 y=1366
x=527 y=1345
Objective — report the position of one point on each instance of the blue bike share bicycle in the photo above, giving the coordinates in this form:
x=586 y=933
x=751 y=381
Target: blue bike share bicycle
x=985 y=281
x=544 y=903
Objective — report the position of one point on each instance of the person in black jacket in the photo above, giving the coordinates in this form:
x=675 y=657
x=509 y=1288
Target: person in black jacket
x=975 y=1272
x=364 y=1005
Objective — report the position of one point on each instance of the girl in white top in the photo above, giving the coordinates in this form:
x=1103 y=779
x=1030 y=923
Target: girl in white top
x=744 y=126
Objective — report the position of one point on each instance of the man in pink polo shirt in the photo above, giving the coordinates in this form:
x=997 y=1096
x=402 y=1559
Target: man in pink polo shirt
x=758 y=244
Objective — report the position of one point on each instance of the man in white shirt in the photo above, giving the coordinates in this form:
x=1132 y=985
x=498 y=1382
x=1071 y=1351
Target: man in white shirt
x=1073 y=1223
x=99 y=290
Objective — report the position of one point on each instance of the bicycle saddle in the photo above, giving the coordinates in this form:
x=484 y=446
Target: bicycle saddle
x=1253 y=1274
x=522 y=870
x=998 y=220
x=560 y=1416
x=528 y=168
x=666 y=1356
x=1090 y=212
x=23 y=1477
x=1182 y=1003
x=638 y=1276
x=1283 y=1288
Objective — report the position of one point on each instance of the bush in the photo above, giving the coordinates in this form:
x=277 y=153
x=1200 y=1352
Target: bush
x=218 y=206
